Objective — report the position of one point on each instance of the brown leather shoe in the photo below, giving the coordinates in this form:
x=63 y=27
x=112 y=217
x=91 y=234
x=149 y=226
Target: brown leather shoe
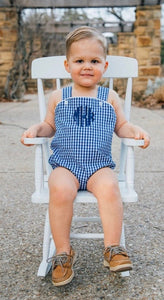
x=116 y=258
x=62 y=271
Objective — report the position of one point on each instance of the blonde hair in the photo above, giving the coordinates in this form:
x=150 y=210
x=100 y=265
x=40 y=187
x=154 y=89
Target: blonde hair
x=85 y=32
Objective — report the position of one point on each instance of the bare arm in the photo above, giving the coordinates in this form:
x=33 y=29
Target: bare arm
x=123 y=128
x=47 y=127
x=38 y=130
x=128 y=130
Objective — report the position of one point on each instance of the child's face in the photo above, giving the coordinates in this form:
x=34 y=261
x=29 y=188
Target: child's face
x=86 y=62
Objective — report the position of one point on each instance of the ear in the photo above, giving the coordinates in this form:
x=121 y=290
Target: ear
x=66 y=65
x=106 y=66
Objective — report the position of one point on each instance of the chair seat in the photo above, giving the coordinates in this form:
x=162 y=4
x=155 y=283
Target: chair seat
x=127 y=194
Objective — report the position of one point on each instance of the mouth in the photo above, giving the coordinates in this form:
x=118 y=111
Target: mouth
x=87 y=75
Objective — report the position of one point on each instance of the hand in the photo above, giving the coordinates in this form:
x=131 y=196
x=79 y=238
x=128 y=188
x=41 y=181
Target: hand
x=29 y=133
x=140 y=134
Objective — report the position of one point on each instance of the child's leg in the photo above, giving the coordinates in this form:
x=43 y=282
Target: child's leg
x=63 y=187
x=104 y=185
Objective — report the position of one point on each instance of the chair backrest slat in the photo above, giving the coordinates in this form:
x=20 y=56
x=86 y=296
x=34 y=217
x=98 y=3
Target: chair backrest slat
x=128 y=97
x=53 y=67
x=41 y=98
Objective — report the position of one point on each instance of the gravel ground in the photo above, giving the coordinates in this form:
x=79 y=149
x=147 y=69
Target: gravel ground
x=23 y=222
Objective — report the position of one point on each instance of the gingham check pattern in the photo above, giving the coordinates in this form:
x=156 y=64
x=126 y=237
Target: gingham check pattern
x=84 y=131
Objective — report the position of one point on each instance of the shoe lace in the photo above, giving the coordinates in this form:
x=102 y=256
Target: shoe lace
x=60 y=259
x=115 y=250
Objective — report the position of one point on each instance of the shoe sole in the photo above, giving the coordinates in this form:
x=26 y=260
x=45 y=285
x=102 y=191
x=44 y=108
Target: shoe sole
x=68 y=280
x=64 y=282
x=120 y=268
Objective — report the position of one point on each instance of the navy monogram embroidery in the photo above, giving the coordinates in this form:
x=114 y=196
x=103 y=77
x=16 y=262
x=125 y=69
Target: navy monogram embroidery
x=83 y=116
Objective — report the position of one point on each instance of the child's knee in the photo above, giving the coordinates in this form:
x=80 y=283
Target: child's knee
x=111 y=184
x=61 y=190
x=107 y=188
x=110 y=187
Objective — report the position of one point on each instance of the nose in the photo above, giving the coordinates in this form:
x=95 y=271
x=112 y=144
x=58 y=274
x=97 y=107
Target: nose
x=87 y=65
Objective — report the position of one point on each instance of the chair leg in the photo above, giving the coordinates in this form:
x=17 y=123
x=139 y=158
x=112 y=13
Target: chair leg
x=122 y=243
x=48 y=249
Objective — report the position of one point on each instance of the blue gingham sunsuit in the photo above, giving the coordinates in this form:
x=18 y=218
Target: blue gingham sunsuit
x=84 y=131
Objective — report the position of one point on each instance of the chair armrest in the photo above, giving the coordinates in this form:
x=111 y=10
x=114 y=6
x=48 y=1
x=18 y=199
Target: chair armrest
x=132 y=142
x=36 y=141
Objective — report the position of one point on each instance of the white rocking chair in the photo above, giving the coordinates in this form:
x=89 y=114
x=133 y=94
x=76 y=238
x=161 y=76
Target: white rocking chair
x=53 y=68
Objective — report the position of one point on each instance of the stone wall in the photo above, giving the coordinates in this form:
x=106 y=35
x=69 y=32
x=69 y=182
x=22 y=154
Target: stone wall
x=8 y=39
x=144 y=44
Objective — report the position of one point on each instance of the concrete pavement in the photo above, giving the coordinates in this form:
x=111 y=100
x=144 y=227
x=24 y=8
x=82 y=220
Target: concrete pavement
x=22 y=221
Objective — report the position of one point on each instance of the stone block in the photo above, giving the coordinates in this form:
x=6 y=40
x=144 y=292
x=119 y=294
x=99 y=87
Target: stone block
x=1 y=34
x=157 y=24
x=112 y=49
x=144 y=41
x=7 y=24
x=143 y=53
x=7 y=45
x=141 y=22
x=7 y=56
x=157 y=34
x=155 y=51
x=142 y=62
x=11 y=14
x=150 y=24
x=148 y=12
x=156 y=43
x=139 y=85
x=140 y=13
x=4 y=73
x=150 y=71
x=2 y=16
x=155 y=60
x=126 y=41
x=6 y=67
x=140 y=30
x=122 y=46
x=3 y=81
x=10 y=36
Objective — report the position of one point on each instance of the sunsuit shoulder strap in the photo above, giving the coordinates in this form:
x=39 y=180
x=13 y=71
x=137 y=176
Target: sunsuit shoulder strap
x=102 y=93
x=66 y=92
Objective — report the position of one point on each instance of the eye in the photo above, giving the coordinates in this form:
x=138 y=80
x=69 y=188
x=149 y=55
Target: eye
x=79 y=61
x=94 y=61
